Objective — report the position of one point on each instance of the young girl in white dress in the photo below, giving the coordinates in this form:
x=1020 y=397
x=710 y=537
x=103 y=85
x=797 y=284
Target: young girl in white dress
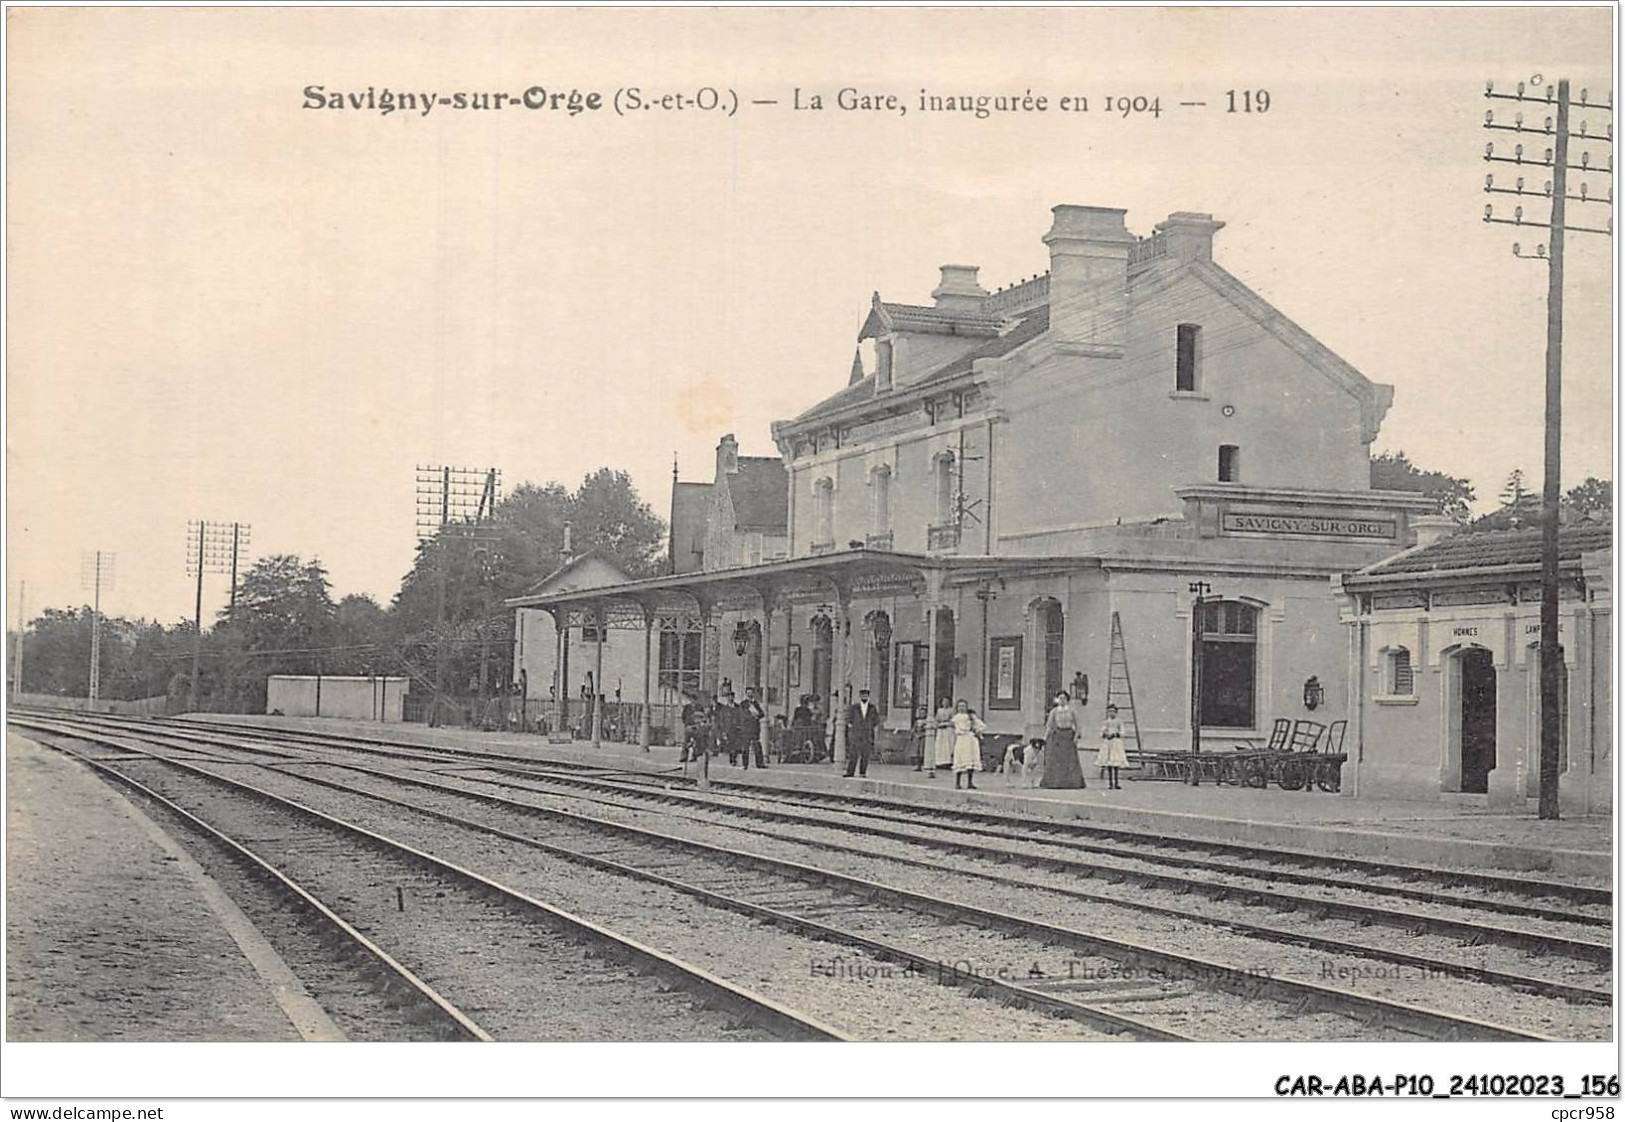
x=1112 y=755
x=968 y=728
x=942 y=752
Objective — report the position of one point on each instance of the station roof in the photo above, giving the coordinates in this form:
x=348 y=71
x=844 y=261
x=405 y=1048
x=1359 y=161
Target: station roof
x=1500 y=551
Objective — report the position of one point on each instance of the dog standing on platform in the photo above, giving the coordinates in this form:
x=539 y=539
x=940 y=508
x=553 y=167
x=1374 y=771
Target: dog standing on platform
x=1025 y=762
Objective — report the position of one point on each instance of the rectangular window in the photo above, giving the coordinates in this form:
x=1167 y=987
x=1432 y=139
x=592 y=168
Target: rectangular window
x=1190 y=338
x=1401 y=679
x=1229 y=463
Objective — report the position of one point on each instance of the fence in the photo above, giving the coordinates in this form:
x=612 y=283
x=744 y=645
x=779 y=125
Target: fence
x=143 y=707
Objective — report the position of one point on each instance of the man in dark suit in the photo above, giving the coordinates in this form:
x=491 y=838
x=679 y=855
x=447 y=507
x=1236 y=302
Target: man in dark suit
x=750 y=728
x=861 y=720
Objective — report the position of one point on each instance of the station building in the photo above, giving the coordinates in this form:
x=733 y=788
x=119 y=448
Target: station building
x=1444 y=663
x=1012 y=471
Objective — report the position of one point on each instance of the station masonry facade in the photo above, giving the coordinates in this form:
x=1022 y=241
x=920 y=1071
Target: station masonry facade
x=1008 y=475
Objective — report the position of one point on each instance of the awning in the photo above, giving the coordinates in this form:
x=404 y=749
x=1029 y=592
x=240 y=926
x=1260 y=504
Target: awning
x=850 y=574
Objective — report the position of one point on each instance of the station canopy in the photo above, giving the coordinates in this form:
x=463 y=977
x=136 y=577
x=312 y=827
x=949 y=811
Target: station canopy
x=684 y=599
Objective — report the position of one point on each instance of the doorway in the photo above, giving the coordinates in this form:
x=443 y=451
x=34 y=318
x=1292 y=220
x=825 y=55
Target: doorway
x=823 y=651
x=943 y=687
x=1477 y=716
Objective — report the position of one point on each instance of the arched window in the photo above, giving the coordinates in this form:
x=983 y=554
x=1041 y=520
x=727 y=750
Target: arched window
x=943 y=469
x=1229 y=650
x=880 y=520
x=824 y=509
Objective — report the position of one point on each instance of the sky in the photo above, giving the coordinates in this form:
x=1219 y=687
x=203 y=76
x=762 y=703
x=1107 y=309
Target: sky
x=225 y=305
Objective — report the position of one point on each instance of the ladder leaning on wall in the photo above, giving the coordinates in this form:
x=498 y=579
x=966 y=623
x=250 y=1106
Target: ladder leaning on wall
x=1119 y=688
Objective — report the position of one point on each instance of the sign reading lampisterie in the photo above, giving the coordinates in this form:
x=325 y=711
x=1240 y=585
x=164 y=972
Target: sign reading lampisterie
x=1324 y=525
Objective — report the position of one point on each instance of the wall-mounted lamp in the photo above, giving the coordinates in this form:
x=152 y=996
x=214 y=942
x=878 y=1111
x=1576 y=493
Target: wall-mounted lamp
x=1313 y=693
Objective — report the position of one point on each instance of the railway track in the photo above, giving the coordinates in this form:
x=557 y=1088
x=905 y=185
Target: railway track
x=603 y=974
x=1043 y=849
x=867 y=906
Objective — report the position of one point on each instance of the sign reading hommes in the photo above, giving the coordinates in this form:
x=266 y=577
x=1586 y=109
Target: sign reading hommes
x=1318 y=525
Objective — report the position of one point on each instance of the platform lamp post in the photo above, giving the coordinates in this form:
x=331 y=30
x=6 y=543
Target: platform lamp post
x=1199 y=591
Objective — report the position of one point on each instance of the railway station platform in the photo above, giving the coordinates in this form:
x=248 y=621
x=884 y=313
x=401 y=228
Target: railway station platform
x=1416 y=832
x=114 y=932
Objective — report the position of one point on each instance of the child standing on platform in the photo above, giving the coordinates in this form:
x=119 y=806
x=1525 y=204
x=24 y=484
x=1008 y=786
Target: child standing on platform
x=1112 y=755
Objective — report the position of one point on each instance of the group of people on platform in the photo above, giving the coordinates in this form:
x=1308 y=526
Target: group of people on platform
x=955 y=741
x=953 y=738
x=723 y=727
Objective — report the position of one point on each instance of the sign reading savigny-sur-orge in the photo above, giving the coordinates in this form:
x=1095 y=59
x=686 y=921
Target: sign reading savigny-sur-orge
x=1322 y=525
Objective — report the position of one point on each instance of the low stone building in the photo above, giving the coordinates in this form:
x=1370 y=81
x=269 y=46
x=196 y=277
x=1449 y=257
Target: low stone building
x=1444 y=670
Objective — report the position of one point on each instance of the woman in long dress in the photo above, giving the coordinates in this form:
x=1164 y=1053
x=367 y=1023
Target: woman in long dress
x=967 y=730
x=1061 y=767
x=942 y=752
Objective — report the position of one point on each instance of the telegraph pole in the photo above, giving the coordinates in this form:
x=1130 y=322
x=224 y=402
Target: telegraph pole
x=447 y=495
x=211 y=547
x=1556 y=160
x=22 y=627
x=96 y=573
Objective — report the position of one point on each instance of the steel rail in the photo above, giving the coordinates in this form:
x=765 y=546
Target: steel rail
x=1502 y=882
x=1470 y=931
x=715 y=990
x=460 y=1024
x=1416 y=1019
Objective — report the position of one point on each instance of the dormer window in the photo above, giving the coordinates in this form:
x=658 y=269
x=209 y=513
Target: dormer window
x=1187 y=364
x=883 y=364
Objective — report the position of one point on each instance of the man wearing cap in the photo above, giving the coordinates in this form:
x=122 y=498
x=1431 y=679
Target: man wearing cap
x=861 y=720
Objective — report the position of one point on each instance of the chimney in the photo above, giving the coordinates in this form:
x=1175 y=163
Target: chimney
x=727 y=456
x=959 y=290
x=1088 y=283
x=1429 y=528
x=1189 y=235
x=567 y=554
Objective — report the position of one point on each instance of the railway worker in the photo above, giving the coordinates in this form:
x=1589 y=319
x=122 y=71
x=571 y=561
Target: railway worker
x=967 y=729
x=861 y=720
x=750 y=728
x=1061 y=767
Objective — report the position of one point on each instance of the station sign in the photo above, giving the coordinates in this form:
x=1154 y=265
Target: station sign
x=1309 y=525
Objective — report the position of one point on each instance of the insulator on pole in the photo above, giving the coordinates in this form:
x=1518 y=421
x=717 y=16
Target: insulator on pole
x=1517 y=250
x=1520 y=184
x=1520 y=89
x=1582 y=192
x=1548 y=126
x=1489 y=150
x=1489 y=85
x=1540 y=251
x=1517 y=153
x=1517 y=122
x=1489 y=182
x=1547 y=189
x=1517 y=214
x=1489 y=209
x=1489 y=116
x=1585 y=159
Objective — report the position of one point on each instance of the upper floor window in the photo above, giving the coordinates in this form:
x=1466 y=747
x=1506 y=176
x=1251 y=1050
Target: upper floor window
x=1229 y=463
x=824 y=510
x=880 y=513
x=883 y=364
x=943 y=470
x=1188 y=364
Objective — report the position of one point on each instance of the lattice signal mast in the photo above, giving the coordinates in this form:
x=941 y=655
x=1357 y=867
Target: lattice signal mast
x=211 y=547
x=96 y=572
x=451 y=496
x=1563 y=148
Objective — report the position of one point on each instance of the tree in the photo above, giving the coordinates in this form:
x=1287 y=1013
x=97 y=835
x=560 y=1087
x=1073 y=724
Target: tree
x=1592 y=499
x=1514 y=489
x=1393 y=471
x=281 y=623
